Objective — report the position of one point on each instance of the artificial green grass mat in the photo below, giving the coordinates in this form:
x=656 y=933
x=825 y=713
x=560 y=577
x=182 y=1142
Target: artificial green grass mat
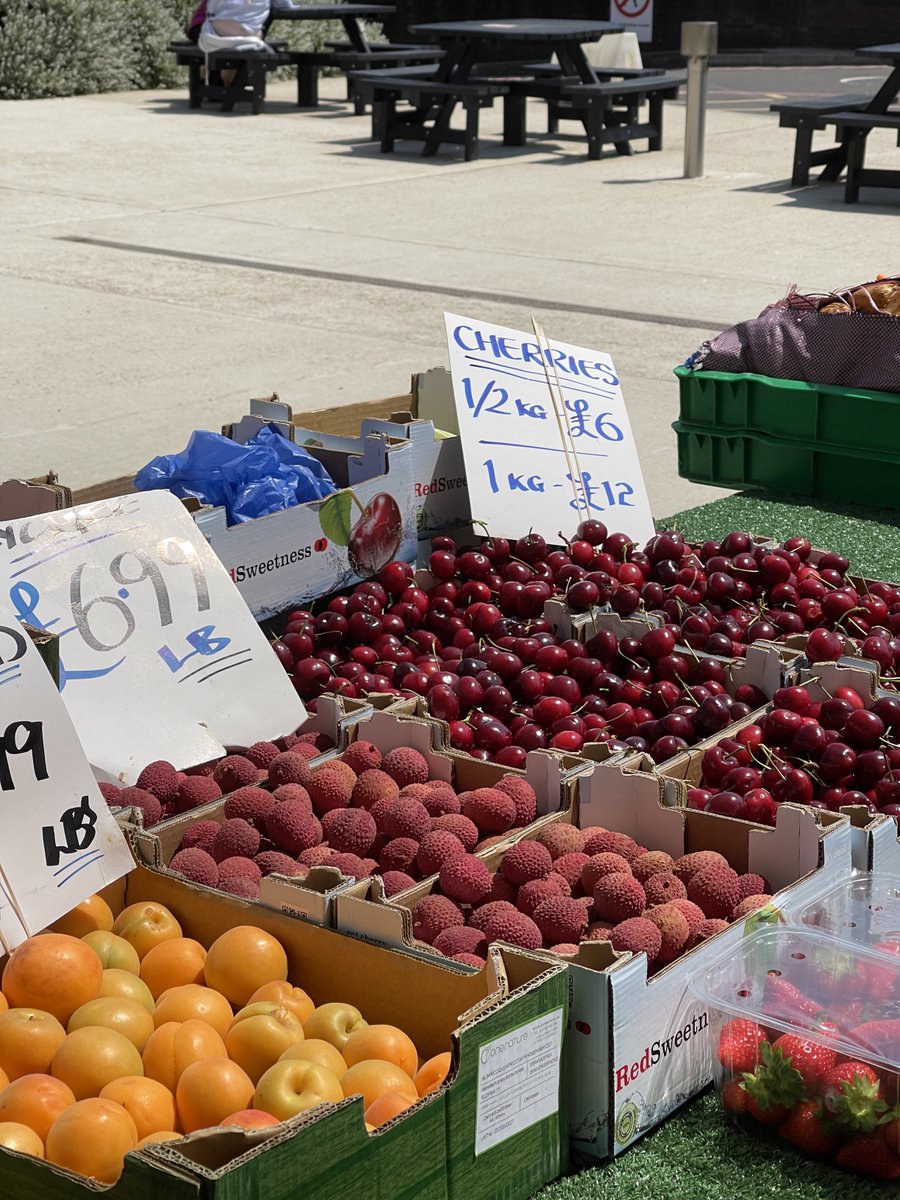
x=869 y=537
x=698 y=1155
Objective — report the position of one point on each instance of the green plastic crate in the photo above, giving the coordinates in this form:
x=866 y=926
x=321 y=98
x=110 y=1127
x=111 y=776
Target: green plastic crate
x=753 y=460
x=788 y=410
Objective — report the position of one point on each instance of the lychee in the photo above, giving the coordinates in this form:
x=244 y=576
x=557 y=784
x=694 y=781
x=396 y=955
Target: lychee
x=715 y=889
x=570 y=866
x=465 y=879
x=416 y=791
x=240 y=866
x=252 y=804
x=638 y=935
x=502 y=889
x=235 y=771
x=362 y=756
x=399 y=854
x=371 y=786
x=140 y=798
x=691 y=911
x=406 y=818
x=293 y=791
x=752 y=884
x=236 y=838
x=461 y=939
x=513 y=927
x=432 y=914
x=273 y=862
x=350 y=865
x=240 y=885
x=441 y=798
x=525 y=861
x=329 y=788
x=690 y=864
x=561 y=839
x=750 y=904
x=289 y=767
x=673 y=926
x=197 y=866
x=436 y=848
x=599 y=865
x=618 y=896
x=565 y=949
x=480 y=917
x=349 y=829
x=652 y=863
x=470 y=960
x=110 y=793
x=663 y=887
x=292 y=828
x=194 y=791
x=200 y=835
x=460 y=826
x=561 y=919
x=706 y=929
x=405 y=765
x=523 y=796
x=535 y=892
x=315 y=856
x=396 y=881
x=161 y=779
x=491 y=810
x=606 y=841
x=262 y=754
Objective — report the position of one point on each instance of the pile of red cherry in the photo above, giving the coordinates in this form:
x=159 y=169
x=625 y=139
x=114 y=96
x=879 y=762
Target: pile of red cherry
x=826 y=754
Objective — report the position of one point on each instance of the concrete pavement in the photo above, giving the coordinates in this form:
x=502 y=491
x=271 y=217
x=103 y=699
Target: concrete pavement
x=159 y=265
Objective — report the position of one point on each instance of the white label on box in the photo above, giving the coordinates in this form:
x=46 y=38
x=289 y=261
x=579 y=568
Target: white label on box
x=527 y=466
x=60 y=841
x=159 y=656
x=518 y=1080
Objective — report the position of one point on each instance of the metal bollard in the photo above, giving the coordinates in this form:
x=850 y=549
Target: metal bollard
x=699 y=42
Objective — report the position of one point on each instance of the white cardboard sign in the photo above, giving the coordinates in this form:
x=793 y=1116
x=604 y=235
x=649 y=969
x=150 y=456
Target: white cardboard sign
x=60 y=842
x=522 y=474
x=160 y=656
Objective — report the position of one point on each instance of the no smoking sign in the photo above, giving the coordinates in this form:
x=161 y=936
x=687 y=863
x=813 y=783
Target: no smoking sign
x=636 y=16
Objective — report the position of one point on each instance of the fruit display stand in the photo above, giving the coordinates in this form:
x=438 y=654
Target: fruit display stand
x=430 y=1151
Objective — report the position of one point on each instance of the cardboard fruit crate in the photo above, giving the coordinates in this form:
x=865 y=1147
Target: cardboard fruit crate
x=633 y=1050
x=440 y=1149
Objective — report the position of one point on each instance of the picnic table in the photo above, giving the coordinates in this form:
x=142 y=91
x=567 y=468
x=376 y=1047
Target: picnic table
x=356 y=53
x=486 y=60
x=853 y=118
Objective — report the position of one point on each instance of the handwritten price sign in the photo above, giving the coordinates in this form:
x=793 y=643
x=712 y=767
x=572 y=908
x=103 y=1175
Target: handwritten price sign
x=60 y=843
x=532 y=463
x=159 y=655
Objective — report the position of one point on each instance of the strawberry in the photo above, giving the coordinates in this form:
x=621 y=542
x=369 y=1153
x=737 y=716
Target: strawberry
x=853 y=1096
x=774 y=1087
x=890 y=1131
x=803 y=1127
x=881 y=1036
x=782 y=999
x=734 y=1098
x=869 y=1154
x=739 y=1045
x=811 y=1059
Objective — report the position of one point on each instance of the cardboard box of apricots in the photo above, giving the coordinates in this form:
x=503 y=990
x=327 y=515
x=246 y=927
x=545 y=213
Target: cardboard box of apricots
x=311 y=898
x=636 y=1044
x=462 y=1140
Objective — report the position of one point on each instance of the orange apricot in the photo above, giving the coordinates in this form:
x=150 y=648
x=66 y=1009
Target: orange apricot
x=92 y=1138
x=260 y=1034
x=318 y=1051
x=241 y=960
x=210 y=1090
x=164 y=1135
x=386 y=1107
x=35 y=1101
x=288 y=996
x=28 y=1040
x=19 y=1137
x=432 y=1073
x=192 y=1002
x=92 y=1057
x=173 y=963
x=151 y=1104
x=91 y=914
x=385 y=1042
x=250 y=1118
x=126 y=985
x=113 y=951
x=53 y=972
x=113 y=1012
x=372 y=1078
x=145 y=925
x=174 y=1046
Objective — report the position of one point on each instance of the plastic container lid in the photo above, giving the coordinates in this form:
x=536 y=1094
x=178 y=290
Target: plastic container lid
x=864 y=910
x=802 y=981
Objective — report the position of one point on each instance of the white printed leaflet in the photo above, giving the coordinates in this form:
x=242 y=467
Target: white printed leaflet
x=160 y=656
x=60 y=842
x=536 y=464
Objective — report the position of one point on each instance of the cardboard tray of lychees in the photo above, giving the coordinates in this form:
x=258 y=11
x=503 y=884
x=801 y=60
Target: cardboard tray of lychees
x=807 y=1034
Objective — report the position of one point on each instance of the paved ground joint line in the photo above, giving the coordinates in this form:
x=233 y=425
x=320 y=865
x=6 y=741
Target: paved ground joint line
x=401 y=285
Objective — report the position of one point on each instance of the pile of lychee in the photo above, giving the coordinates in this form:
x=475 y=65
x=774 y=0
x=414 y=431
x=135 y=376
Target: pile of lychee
x=568 y=885
x=162 y=791
x=364 y=813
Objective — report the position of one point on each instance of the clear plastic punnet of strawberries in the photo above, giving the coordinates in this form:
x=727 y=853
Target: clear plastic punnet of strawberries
x=805 y=1032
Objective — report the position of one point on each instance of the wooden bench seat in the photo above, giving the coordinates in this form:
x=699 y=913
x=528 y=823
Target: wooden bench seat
x=205 y=73
x=429 y=100
x=348 y=59
x=806 y=117
x=609 y=109
x=855 y=128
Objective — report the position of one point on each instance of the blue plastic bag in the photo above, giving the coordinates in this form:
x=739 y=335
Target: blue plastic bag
x=266 y=475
